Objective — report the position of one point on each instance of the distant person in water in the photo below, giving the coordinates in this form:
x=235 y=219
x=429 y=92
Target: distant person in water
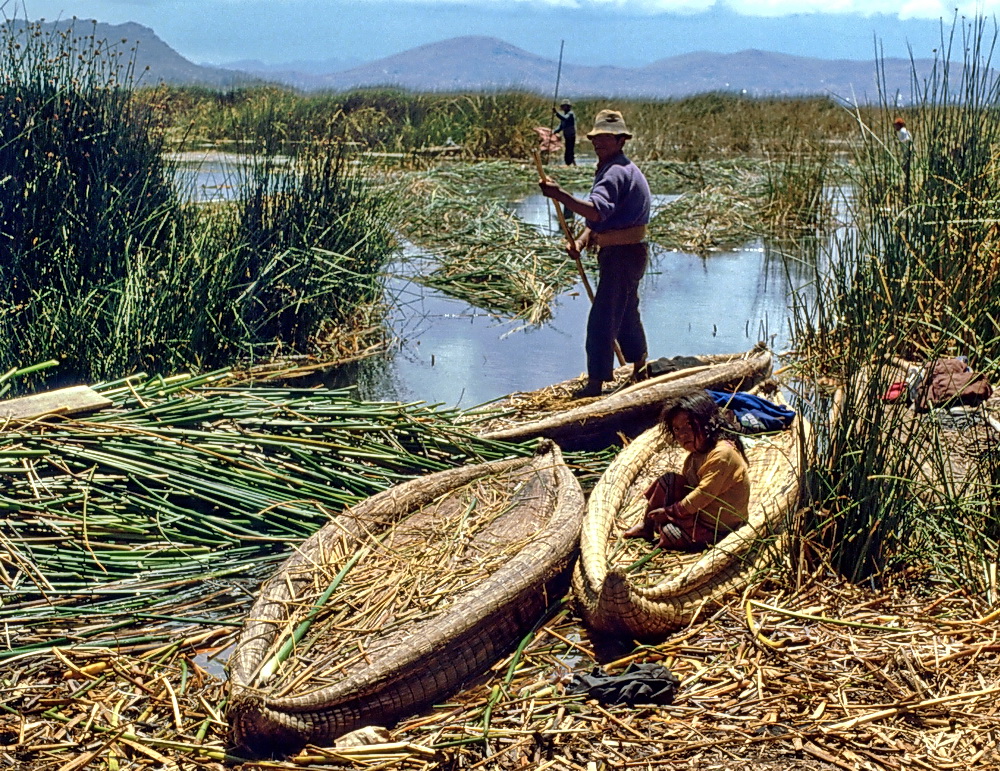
x=567 y=127
x=617 y=212
x=710 y=496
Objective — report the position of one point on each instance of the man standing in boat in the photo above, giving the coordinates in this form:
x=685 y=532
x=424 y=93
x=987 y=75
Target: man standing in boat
x=617 y=212
x=567 y=126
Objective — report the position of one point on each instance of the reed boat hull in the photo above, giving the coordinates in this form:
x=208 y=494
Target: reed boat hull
x=613 y=600
x=594 y=424
x=431 y=658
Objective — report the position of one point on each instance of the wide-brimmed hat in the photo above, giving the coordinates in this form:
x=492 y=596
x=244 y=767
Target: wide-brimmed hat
x=565 y=104
x=609 y=122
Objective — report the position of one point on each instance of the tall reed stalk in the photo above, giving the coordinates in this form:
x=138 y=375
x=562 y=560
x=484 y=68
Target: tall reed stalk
x=105 y=266
x=909 y=282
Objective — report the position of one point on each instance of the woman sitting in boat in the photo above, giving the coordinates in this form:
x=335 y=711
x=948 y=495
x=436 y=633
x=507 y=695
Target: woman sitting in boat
x=709 y=498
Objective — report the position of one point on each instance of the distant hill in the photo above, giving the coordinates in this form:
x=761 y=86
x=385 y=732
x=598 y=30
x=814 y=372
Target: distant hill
x=489 y=64
x=164 y=64
x=486 y=63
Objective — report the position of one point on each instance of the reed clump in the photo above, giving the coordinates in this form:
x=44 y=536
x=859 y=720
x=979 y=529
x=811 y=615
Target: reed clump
x=908 y=284
x=106 y=265
x=501 y=124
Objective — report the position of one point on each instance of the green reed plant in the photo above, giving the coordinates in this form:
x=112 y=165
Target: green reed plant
x=908 y=282
x=501 y=124
x=107 y=267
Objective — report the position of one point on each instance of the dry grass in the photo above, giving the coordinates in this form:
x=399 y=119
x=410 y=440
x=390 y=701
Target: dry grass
x=825 y=676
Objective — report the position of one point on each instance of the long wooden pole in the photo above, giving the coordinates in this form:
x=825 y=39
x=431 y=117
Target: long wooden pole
x=565 y=229
x=572 y=245
x=555 y=96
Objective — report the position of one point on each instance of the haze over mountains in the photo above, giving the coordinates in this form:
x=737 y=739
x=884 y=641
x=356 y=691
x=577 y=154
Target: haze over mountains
x=486 y=63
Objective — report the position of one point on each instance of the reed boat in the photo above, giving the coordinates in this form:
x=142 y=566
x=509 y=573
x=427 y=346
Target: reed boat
x=599 y=422
x=620 y=588
x=401 y=599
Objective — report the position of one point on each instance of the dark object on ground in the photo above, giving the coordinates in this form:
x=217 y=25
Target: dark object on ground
x=639 y=684
x=947 y=382
x=663 y=365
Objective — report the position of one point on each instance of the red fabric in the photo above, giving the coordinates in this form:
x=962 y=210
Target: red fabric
x=896 y=390
x=547 y=141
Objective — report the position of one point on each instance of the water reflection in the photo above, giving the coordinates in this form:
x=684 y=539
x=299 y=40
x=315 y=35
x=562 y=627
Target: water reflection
x=457 y=355
x=207 y=176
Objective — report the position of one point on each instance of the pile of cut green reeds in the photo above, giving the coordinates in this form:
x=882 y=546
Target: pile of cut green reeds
x=483 y=253
x=166 y=507
x=709 y=219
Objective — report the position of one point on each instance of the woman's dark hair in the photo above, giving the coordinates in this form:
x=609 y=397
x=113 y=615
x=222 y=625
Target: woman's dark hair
x=705 y=417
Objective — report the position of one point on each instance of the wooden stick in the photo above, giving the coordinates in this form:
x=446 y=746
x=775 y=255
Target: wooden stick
x=574 y=252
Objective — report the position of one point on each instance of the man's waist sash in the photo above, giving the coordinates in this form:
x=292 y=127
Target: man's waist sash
x=633 y=235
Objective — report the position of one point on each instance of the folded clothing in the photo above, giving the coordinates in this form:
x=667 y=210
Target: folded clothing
x=755 y=414
x=950 y=381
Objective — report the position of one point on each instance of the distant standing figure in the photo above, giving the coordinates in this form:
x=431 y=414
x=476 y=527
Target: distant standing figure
x=902 y=133
x=906 y=141
x=710 y=497
x=617 y=213
x=567 y=127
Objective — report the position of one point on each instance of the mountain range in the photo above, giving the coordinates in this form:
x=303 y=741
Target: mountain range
x=489 y=64
x=485 y=63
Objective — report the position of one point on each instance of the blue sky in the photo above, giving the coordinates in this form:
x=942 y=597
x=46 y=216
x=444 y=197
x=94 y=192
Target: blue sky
x=600 y=32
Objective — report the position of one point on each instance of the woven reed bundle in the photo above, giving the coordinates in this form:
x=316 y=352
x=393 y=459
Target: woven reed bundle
x=672 y=587
x=426 y=593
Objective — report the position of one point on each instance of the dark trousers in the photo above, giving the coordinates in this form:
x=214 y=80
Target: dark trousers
x=615 y=313
x=569 y=148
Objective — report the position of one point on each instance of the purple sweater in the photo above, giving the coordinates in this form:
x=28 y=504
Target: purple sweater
x=621 y=195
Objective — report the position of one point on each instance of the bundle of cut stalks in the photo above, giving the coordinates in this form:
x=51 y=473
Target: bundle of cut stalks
x=166 y=508
x=483 y=253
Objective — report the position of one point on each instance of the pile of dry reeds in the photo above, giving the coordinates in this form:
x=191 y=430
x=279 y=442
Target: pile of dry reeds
x=826 y=676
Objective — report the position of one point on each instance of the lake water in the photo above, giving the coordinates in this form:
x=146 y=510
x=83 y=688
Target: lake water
x=453 y=354
x=207 y=176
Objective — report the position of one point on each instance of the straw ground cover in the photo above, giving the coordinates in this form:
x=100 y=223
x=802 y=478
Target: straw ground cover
x=822 y=675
